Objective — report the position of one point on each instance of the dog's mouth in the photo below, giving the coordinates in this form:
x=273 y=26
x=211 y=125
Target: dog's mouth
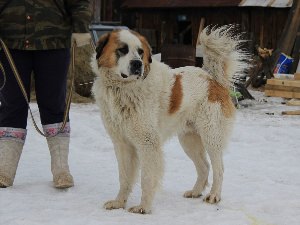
x=124 y=75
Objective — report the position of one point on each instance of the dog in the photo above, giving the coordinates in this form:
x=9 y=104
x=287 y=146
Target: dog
x=143 y=102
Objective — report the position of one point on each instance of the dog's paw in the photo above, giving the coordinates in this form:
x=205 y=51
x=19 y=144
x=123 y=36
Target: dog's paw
x=192 y=194
x=114 y=204
x=212 y=198
x=139 y=209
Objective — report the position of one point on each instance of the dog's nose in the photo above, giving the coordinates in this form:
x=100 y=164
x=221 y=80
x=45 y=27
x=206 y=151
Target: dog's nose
x=136 y=67
x=136 y=64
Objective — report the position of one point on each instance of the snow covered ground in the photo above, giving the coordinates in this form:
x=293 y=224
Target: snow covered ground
x=261 y=181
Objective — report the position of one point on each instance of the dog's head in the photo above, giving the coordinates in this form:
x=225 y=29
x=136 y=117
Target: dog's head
x=125 y=53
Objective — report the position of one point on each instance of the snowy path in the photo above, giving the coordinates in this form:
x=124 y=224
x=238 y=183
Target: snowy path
x=261 y=182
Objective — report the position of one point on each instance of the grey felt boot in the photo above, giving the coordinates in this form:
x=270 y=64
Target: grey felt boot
x=11 y=145
x=59 y=151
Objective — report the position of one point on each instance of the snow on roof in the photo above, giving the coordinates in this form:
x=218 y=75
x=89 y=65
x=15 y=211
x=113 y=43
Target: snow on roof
x=204 y=3
x=178 y=3
x=267 y=3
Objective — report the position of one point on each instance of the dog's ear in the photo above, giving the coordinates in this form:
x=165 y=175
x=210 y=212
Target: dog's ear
x=101 y=44
x=147 y=49
x=150 y=56
x=147 y=58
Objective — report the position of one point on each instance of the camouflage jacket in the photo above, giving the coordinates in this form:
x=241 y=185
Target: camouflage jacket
x=42 y=24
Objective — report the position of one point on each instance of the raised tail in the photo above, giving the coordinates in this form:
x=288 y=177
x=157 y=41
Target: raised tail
x=222 y=54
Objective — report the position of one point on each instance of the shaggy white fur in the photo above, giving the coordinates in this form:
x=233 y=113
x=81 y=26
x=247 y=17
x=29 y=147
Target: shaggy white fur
x=141 y=114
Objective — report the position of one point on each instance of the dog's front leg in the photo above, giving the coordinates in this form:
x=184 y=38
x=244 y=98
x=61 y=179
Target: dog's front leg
x=151 y=162
x=128 y=167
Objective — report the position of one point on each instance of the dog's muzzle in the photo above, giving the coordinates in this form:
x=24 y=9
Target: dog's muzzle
x=136 y=67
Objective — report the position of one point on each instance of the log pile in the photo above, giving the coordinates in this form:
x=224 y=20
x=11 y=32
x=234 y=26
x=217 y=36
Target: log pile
x=283 y=88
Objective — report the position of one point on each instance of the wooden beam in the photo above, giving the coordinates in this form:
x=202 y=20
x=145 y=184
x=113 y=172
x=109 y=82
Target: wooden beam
x=290 y=30
x=290 y=83
x=294 y=112
x=282 y=88
x=296 y=52
x=282 y=94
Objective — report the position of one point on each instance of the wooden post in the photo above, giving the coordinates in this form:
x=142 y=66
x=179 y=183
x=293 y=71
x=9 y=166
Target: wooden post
x=296 y=52
x=96 y=11
x=201 y=27
x=290 y=30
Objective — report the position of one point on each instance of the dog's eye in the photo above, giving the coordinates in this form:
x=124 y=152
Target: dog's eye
x=140 y=51
x=123 y=50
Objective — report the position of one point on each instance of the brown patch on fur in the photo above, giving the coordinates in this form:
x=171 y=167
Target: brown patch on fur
x=225 y=68
x=147 y=52
x=108 y=56
x=218 y=93
x=176 y=95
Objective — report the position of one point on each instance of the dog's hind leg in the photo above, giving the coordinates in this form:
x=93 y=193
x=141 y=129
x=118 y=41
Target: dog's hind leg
x=193 y=147
x=128 y=168
x=214 y=135
x=216 y=158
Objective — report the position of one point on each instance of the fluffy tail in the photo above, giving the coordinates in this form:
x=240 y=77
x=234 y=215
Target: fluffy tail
x=222 y=55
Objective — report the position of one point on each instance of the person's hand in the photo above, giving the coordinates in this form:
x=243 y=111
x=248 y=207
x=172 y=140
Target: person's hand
x=81 y=39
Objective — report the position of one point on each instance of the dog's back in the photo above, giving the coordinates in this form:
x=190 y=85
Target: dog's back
x=201 y=92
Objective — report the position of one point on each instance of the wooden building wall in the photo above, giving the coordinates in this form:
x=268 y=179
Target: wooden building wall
x=262 y=25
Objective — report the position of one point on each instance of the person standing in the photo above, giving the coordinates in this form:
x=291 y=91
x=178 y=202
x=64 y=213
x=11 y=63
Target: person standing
x=38 y=34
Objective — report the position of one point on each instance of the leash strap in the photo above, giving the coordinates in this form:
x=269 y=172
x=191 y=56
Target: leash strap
x=23 y=90
x=4 y=75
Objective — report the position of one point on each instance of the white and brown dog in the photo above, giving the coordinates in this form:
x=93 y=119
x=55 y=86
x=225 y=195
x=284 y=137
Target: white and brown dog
x=143 y=102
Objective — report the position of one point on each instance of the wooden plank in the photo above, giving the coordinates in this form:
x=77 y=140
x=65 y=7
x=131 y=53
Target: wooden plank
x=282 y=88
x=291 y=83
x=293 y=102
x=297 y=76
x=294 y=112
x=283 y=94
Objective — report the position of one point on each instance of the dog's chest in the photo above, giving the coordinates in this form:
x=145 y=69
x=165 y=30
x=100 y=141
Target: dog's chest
x=120 y=107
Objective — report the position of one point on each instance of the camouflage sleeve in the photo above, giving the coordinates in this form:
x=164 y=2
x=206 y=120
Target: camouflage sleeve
x=81 y=15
